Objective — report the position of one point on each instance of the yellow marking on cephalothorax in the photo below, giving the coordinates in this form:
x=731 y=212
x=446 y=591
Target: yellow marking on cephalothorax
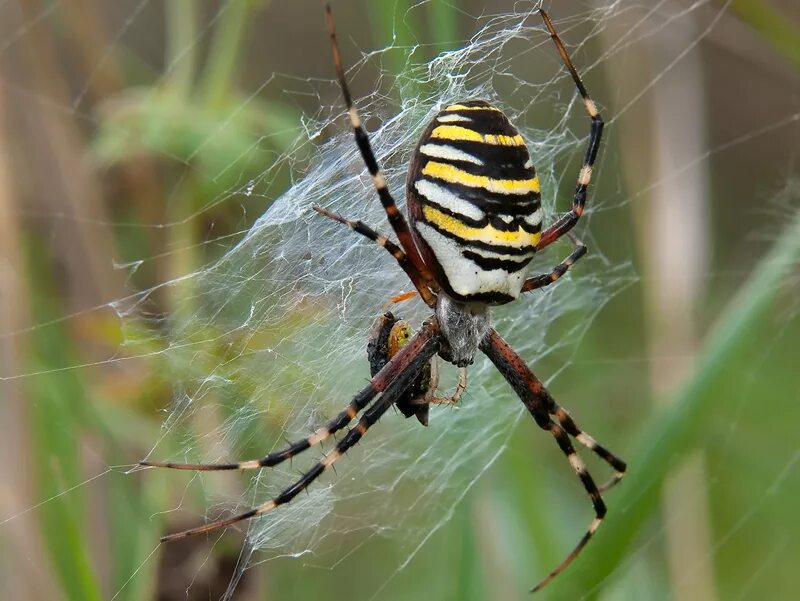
x=462 y=107
x=454 y=175
x=487 y=234
x=458 y=133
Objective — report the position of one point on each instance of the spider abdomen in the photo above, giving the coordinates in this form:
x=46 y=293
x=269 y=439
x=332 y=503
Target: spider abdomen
x=474 y=204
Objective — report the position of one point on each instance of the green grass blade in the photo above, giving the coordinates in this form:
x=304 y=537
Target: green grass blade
x=675 y=430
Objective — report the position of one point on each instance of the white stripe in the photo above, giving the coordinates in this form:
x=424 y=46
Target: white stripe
x=447 y=200
x=443 y=151
x=463 y=275
x=535 y=218
x=528 y=164
x=576 y=463
x=452 y=118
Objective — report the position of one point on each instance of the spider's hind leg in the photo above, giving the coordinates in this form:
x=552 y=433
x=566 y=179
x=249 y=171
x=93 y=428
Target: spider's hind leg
x=566 y=422
x=541 y=405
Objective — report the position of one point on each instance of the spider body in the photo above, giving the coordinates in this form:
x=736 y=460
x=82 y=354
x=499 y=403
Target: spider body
x=474 y=224
x=474 y=204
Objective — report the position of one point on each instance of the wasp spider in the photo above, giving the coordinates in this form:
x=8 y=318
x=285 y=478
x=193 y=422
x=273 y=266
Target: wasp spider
x=474 y=223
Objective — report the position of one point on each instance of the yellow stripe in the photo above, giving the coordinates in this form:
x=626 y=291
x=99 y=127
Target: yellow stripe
x=461 y=107
x=454 y=175
x=487 y=234
x=455 y=132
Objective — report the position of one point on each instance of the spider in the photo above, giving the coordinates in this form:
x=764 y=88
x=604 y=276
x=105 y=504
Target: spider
x=474 y=223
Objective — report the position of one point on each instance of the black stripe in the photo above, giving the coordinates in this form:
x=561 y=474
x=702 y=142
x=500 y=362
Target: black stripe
x=514 y=225
x=471 y=102
x=490 y=168
x=479 y=223
x=490 y=298
x=495 y=248
x=492 y=263
x=531 y=229
x=494 y=220
x=483 y=122
x=491 y=202
x=499 y=162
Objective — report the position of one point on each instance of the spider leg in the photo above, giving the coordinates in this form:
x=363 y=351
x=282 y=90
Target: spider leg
x=427 y=347
x=396 y=219
x=454 y=398
x=545 y=279
x=401 y=257
x=540 y=404
x=567 y=221
x=394 y=369
x=566 y=421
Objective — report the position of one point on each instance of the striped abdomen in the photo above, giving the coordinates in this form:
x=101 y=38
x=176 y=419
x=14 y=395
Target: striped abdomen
x=474 y=204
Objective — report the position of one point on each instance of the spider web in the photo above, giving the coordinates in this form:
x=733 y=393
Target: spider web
x=265 y=340
x=277 y=327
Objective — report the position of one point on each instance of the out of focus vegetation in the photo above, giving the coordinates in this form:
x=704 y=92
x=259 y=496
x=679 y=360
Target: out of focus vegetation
x=108 y=158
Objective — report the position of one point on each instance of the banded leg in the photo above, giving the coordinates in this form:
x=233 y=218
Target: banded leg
x=545 y=279
x=540 y=404
x=566 y=422
x=562 y=439
x=428 y=348
x=396 y=219
x=567 y=221
x=393 y=370
x=401 y=257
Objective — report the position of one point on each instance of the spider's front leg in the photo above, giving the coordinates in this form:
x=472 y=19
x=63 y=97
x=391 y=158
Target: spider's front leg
x=567 y=221
x=541 y=405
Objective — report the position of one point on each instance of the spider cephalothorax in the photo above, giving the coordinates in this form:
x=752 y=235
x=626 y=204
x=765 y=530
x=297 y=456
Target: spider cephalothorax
x=474 y=224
